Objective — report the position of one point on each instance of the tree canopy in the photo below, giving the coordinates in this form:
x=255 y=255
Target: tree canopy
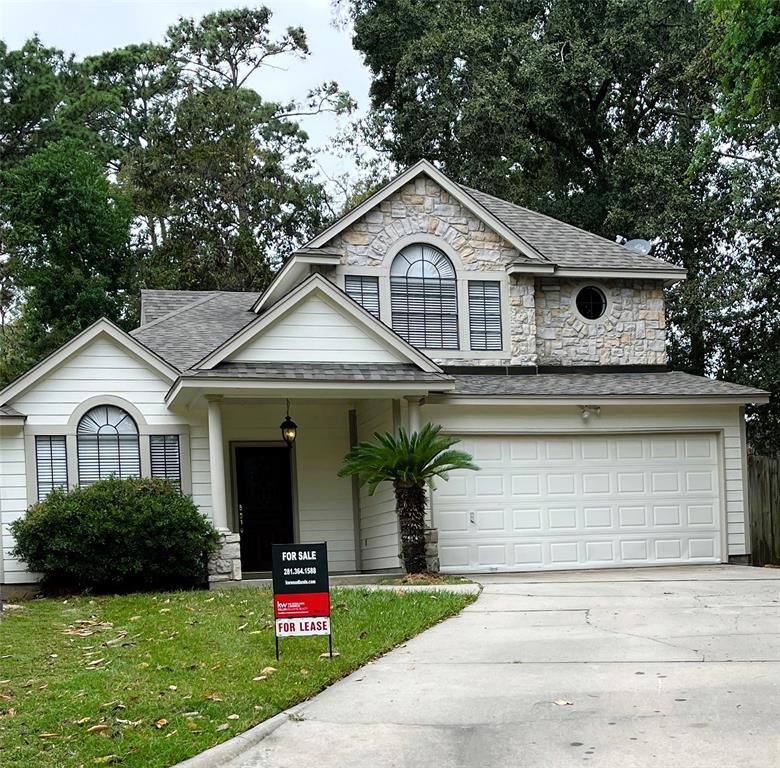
x=158 y=164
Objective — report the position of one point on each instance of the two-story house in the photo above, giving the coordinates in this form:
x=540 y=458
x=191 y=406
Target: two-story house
x=540 y=345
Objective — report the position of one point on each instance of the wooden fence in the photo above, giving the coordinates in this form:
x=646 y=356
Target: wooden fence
x=764 y=500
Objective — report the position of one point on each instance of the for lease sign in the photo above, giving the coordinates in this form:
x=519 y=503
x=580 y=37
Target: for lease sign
x=301 y=591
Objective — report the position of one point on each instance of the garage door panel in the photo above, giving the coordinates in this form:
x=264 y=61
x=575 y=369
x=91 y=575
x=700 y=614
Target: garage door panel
x=617 y=500
x=564 y=552
x=562 y=518
x=527 y=519
x=667 y=515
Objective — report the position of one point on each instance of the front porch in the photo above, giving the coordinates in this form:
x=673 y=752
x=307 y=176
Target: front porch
x=260 y=490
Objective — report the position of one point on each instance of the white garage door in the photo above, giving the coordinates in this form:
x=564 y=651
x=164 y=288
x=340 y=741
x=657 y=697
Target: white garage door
x=546 y=502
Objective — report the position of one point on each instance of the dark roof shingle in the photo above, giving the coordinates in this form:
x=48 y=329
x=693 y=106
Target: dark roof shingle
x=668 y=384
x=388 y=372
x=563 y=244
x=186 y=335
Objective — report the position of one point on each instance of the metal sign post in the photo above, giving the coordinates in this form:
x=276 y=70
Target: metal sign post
x=301 y=591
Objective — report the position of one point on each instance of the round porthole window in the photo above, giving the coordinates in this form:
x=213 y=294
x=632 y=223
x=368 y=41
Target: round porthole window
x=591 y=302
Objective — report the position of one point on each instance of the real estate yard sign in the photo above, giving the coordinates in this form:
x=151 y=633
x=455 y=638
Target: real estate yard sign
x=301 y=591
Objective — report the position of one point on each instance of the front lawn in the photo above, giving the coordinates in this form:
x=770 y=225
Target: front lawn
x=148 y=680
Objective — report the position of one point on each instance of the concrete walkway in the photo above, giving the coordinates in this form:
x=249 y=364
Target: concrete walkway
x=653 y=667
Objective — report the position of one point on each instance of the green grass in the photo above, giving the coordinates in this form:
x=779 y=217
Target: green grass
x=166 y=676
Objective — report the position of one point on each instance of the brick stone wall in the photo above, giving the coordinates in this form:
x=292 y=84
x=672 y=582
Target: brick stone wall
x=632 y=332
x=423 y=207
x=545 y=329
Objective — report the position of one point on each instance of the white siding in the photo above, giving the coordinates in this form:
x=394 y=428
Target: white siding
x=323 y=499
x=101 y=368
x=724 y=421
x=13 y=500
x=379 y=537
x=199 y=456
x=316 y=331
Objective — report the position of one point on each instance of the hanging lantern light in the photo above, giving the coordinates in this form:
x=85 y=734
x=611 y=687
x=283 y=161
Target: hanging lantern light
x=289 y=428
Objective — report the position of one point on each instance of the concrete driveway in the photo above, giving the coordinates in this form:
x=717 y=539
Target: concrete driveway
x=663 y=667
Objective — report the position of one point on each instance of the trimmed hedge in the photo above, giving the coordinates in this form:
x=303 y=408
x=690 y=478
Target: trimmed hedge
x=116 y=535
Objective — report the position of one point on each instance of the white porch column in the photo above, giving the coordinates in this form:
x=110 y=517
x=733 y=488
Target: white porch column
x=217 y=464
x=413 y=404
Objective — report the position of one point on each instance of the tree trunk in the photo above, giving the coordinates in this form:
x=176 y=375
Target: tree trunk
x=410 y=506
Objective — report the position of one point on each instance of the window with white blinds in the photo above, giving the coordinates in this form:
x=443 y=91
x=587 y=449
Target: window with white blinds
x=424 y=298
x=364 y=289
x=107 y=444
x=51 y=463
x=485 y=314
x=166 y=457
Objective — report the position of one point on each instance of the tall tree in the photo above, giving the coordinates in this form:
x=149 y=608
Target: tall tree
x=67 y=244
x=746 y=47
x=226 y=177
x=33 y=86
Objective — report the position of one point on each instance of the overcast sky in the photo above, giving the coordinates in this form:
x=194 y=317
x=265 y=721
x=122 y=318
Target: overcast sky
x=87 y=27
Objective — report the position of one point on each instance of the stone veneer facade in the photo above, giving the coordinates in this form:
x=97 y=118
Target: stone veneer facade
x=545 y=328
x=631 y=332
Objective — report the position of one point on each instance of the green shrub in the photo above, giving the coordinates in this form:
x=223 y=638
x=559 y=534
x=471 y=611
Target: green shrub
x=116 y=535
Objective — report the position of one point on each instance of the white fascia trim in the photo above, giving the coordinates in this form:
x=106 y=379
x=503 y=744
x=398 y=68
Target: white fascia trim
x=670 y=275
x=279 y=285
x=102 y=327
x=639 y=274
x=605 y=400
x=334 y=388
x=534 y=269
x=318 y=283
x=12 y=421
x=423 y=166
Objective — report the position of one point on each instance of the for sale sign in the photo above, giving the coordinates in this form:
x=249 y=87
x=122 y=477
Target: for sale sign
x=301 y=591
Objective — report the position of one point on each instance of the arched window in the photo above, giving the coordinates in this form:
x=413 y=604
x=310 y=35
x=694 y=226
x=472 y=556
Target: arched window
x=107 y=439
x=423 y=297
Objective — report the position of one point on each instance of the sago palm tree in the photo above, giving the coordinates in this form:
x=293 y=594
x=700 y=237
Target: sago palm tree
x=409 y=462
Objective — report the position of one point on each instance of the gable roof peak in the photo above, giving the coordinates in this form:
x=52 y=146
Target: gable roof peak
x=316 y=283
x=451 y=187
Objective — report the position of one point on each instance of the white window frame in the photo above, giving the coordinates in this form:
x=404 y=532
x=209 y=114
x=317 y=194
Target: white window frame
x=579 y=285
x=145 y=430
x=36 y=440
x=497 y=283
x=462 y=277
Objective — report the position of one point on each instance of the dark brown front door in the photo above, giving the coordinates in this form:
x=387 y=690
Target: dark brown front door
x=264 y=495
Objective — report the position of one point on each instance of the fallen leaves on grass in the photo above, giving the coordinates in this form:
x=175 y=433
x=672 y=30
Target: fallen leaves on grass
x=105 y=759
x=161 y=723
x=267 y=670
x=99 y=728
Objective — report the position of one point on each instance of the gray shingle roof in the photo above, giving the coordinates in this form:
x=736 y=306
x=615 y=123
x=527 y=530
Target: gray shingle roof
x=188 y=333
x=669 y=384
x=563 y=244
x=7 y=410
x=388 y=372
x=156 y=303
